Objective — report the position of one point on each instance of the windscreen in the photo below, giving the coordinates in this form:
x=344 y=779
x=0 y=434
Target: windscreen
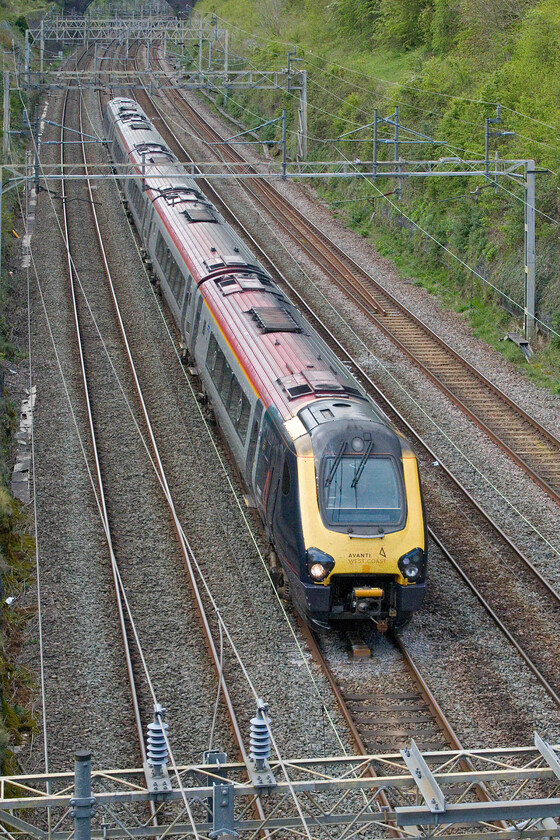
x=361 y=490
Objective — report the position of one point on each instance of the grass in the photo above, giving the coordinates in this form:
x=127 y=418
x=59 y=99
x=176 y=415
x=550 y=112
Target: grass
x=242 y=17
x=488 y=321
x=487 y=240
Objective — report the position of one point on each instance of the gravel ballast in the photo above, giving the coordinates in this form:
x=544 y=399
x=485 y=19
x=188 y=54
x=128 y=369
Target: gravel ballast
x=490 y=697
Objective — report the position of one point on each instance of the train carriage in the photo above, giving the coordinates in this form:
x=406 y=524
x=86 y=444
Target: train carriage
x=336 y=485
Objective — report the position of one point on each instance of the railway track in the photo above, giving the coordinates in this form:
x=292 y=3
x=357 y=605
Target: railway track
x=384 y=712
x=527 y=442
x=516 y=595
x=79 y=558
x=410 y=710
x=236 y=696
x=385 y=721
x=99 y=401
x=71 y=153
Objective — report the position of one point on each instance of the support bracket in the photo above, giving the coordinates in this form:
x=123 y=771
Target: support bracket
x=548 y=753
x=157 y=779
x=424 y=779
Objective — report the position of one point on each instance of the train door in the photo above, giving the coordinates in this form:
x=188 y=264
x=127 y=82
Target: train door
x=255 y=428
x=288 y=535
x=267 y=476
x=277 y=494
x=196 y=324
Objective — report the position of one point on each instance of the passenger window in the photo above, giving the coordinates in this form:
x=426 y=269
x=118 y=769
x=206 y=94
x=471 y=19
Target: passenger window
x=234 y=397
x=219 y=370
x=212 y=355
x=236 y=403
x=226 y=383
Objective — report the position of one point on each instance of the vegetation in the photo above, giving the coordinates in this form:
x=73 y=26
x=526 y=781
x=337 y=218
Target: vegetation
x=446 y=64
x=16 y=557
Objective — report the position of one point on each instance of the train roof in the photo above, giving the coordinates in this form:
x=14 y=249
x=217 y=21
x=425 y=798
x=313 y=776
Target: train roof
x=284 y=359
x=206 y=241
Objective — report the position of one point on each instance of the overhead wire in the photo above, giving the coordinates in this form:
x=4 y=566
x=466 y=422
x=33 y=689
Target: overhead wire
x=495 y=183
x=339 y=117
x=163 y=482
x=307 y=52
x=384 y=80
x=99 y=505
x=241 y=507
x=86 y=463
x=451 y=253
x=508 y=502
x=455 y=148
x=408 y=394
x=40 y=633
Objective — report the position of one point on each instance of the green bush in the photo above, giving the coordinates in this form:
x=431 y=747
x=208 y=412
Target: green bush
x=456 y=59
x=21 y=24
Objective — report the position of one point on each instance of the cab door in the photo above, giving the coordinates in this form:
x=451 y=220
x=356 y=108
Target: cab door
x=267 y=472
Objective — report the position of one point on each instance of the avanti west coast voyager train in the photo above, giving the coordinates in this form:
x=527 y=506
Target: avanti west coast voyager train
x=337 y=487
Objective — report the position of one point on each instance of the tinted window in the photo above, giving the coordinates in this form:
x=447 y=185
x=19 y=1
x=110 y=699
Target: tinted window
x=243 y=417
x=286 y=479
x=236 y=403
x=361 y=491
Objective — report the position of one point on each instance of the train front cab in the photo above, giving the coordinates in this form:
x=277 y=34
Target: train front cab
x=351 y=532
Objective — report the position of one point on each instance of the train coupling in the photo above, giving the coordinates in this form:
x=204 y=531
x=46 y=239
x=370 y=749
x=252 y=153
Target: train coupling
x=367 y=600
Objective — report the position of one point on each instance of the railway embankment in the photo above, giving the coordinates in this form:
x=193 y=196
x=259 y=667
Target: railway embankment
x=435 y=72
x=17 y=681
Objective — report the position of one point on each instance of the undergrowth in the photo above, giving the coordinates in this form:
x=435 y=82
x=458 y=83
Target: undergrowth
x=355 y=51
x=17 y=682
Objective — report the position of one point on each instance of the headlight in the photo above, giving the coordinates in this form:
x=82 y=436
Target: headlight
x=318 y=571
x=412 y=564
x=319 y=564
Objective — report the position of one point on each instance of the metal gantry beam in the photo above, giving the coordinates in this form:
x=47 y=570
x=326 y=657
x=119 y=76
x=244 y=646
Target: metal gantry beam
x=320 y=797
x=79 y=30
x=205 y=30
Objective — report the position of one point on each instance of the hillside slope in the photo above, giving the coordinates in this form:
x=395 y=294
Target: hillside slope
x=446 y=65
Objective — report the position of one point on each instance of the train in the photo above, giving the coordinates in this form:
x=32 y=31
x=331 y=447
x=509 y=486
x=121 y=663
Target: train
x=336 y=485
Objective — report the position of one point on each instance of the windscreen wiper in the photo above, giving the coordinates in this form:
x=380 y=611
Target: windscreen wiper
x=336 y=462
x=362 y=465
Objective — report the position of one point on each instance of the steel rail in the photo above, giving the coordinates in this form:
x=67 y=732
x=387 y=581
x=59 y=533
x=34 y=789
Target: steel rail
x=498 y=534
x=424 y=690
x=187 y=551
x=438 y=370
x=426 y=693
x=101 y=499
x=361 y=747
